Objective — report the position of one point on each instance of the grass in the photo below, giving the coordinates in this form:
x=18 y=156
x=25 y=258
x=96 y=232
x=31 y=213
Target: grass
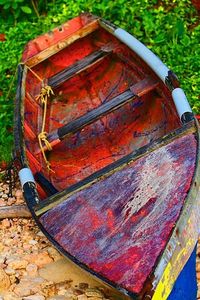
x=170 y=28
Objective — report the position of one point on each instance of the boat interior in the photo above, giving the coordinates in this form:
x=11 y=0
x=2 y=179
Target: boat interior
x=106 y=103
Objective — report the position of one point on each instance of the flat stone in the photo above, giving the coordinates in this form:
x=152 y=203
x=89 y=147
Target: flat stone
x=92 y=292
x=60 y=297
x=40 y=259
x=34 y=297
x=64 y=270
x=4 y=280
x=28 y=286
x=32 y=270
x=17 y=263
x=5 y=223
x=82 y=297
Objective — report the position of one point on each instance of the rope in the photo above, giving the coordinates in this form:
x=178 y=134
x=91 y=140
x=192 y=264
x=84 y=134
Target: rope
x=45 y=93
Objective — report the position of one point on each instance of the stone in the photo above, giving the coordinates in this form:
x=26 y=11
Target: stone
x=9 y=271
x=28 y=286
x=4 y=281
x=64 y=270
x=198 y=267
x=33 y=242
x=82 y=297
x=17 y=263
x=54 y=254
x=2 y=202
x=60 y=297
x=32 y=270
x=10 y=296
x=5 y=223
x=92 y=292
x=19 y=194
x=83 y=285
x=34 y=297
x=40 y=259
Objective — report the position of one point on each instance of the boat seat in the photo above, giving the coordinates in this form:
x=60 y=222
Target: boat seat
x=137 y=90
x=79 y=66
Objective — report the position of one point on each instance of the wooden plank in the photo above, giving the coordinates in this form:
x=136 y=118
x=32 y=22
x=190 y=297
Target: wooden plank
x=137 y=90
x=134 y=91
x=14 y=211
x=53 y=201
x=79 y=66
x=41 y=56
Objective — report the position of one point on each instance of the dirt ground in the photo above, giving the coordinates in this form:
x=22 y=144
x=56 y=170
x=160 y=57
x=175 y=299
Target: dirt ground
x=31 y=269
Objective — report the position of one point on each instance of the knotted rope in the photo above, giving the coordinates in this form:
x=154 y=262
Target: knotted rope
x=45 y=94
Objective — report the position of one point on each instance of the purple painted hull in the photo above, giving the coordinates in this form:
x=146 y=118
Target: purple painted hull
x=126 y=219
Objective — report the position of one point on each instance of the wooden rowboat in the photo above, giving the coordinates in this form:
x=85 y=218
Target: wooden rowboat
x=107 y=149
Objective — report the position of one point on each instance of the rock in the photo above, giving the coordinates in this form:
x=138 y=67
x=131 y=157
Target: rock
x=54 y=254
x=32 y=270
x=64 y=270
x=9 y=271
x=19 y=194
x=198 y=267
x=40 y=259
x=5 y=223
x=82 y=297
x=34 y=297
x=83 y=285
x=92 y=292
x=60 y=297
x=17 y=263
x=28 y=286
x=4 y=281
x=10 y=296
x=2 y=202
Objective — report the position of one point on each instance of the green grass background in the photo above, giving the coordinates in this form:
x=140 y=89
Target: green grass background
x=170 y=28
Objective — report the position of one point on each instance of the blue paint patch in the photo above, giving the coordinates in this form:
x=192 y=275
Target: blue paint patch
x=185 y=287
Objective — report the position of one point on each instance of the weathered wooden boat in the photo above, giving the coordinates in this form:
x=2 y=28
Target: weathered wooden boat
x=107 y=150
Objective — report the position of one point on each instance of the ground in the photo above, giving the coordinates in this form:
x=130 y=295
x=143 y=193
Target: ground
x=31 y=269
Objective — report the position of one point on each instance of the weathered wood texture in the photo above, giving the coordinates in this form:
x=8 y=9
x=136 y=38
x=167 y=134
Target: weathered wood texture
x=14 y=211
x=42 y=48
x=126 y=219
x=78 y=67
x=53 y=201
x=139 y=89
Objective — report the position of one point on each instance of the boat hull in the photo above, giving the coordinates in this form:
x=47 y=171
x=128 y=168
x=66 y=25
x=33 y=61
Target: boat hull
x=115 y=181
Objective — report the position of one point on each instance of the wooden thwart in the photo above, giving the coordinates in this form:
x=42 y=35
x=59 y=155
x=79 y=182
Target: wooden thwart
x=137 y=90
x=79 y=66
x=53 y=201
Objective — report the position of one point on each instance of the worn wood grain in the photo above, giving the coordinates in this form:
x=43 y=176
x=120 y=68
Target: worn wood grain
x=14 y=211
x=134 y=91
x=53 y=201
x=41 y=56
x=79 y=66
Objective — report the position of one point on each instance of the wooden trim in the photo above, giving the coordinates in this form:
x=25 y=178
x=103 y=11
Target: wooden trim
x=79 y=66
x=41 y=56
x=53 y=201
